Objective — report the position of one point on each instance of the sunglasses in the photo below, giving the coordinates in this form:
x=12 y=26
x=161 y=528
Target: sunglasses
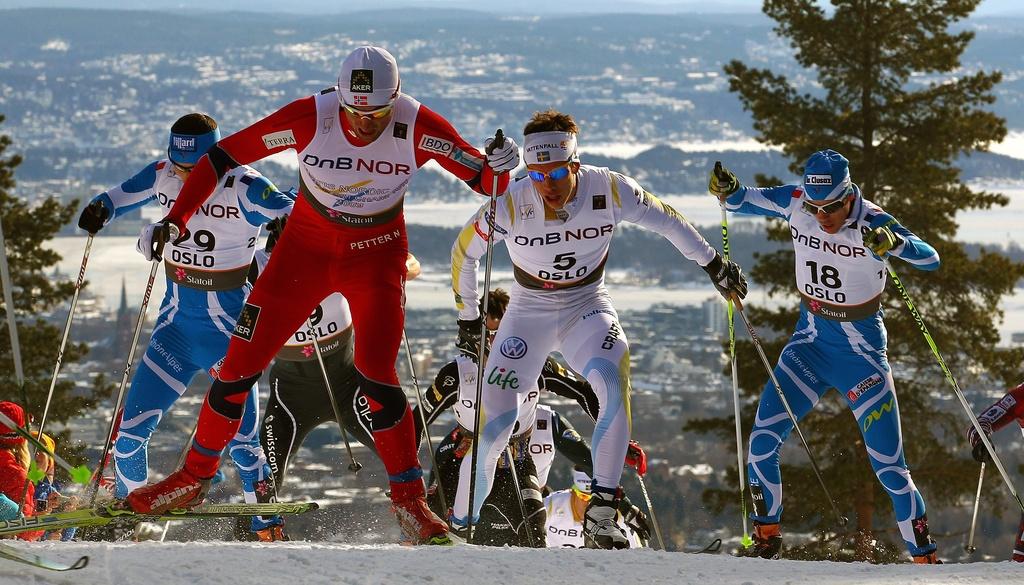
x=375 y=114
x=183 y=168
x=555 y=175
x=180 y=167
x=827 y=208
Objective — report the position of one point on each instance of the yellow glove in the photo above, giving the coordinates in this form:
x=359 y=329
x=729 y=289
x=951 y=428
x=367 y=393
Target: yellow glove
x=882 y=239
x=723 y=182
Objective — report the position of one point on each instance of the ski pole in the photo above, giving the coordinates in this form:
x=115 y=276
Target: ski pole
x=952 y=382
x=12 y=326
x=119 y=403
x=354 y=466
x=974 y=517
x=499 y=140
x=5 y=280
x=746 y=541
x=650 y=509
x=63 y=341
x=79 y=474
x=423 y=420
x=792 y=417
x=519 y=494
x=67 y=330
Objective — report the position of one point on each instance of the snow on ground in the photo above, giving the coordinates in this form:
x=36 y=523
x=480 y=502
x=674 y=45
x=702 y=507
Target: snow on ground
x=305 y=563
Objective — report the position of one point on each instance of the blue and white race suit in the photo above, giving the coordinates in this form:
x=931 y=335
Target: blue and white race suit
x=206 y=270
x=839 y=342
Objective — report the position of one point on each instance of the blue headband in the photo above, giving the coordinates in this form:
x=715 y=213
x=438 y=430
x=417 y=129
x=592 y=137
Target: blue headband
x=187 y=149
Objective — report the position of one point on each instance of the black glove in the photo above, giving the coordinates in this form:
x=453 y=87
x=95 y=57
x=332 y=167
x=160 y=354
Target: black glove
x=727 y=277
x=275 y=228
x=636 y=520
x=978 y=449
x=93 y=217
x=469 y=336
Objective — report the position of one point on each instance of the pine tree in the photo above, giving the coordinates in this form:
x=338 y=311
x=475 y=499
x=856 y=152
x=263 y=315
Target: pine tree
x=894 y=100
x=27 y=227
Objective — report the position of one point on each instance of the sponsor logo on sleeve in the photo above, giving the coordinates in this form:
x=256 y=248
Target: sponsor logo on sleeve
x=279 y=139
x=468 y=160
x=436 y=145
x=245 y=327
x=642 y=197
x=514 y=348
x=1008 y=402
x=361 y=81
x=600 y=202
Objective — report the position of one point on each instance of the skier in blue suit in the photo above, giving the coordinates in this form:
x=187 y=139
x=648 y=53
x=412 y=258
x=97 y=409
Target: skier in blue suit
x=840 y=240
x=206 y=268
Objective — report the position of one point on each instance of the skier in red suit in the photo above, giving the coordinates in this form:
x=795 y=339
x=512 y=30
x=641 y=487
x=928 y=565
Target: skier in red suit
x=358 y=145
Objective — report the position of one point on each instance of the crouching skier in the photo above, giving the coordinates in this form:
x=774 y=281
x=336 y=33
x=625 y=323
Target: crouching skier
x=540 y=432
x=1007 y=409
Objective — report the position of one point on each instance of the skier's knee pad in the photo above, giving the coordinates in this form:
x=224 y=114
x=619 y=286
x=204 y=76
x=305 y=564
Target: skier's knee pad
x=387 y=403
x=228 y=398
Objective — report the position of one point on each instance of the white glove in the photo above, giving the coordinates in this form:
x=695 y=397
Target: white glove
x=505 y=157
x=153 y=237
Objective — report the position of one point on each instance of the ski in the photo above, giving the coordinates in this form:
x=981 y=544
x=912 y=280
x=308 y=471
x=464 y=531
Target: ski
x=18 y=555
x=109 y=514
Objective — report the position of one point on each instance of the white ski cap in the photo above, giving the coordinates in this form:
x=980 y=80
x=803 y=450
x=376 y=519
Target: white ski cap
x=369 y=77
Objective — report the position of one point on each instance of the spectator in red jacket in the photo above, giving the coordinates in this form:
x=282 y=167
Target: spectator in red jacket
x=14 y=462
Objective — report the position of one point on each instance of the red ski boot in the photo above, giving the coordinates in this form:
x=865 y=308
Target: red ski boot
x=180 y=489
x=418 y=523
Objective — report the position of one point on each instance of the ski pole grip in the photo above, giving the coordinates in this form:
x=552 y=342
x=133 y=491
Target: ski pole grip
x=499 y=141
